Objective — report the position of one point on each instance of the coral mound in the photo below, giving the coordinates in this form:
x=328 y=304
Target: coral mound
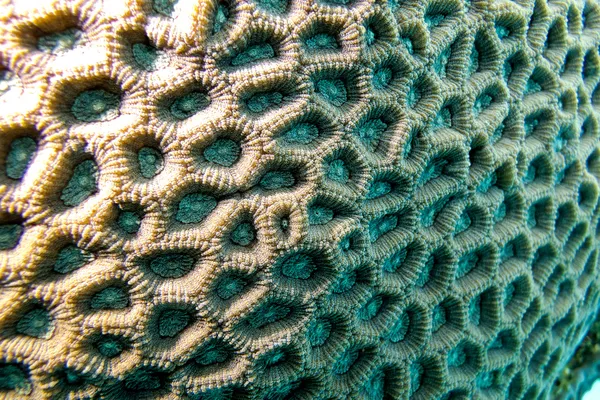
x=298 y=199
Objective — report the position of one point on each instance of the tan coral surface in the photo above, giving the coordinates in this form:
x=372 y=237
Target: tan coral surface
x=303 y=199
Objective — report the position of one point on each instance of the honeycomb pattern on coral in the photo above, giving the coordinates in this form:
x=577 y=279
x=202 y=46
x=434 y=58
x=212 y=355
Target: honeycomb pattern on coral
x=286 y=199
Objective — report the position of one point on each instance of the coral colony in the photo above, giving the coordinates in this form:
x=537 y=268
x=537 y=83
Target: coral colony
x=299 y=199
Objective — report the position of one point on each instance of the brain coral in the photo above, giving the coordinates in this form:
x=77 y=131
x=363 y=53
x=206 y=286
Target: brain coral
x=299 y=199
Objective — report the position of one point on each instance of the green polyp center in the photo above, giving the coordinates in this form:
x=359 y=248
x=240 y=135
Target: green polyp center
x=302 y=133
x=400 y=328
x=8 y=80
x=261 y=102
x=413 y=96
x=347 y=242
x=371 y=308
x=96 y=105
x=500 y=212
x=194 y=207
x=129 y=221
x=346 y=281
x=426 y=272
x=273 y=6
x=13 y=377
x=509 y=293
x=149 y=57
x=333 y=90
x=466 y=264
x=19 y=156
x=59 y=42
x=463 y=222
x=370 y=36
x=10 y=234
x=81 y=185
x=393 y=263
x=407 y=42
x=338 y=171
x=224 y=152
x=173 y=265
x=382 y=77
x=345 y=362
x=322 y=41
x=482 y=103
x=284 y=224
x=150 y=161
x=272 y=359
x=530 y=174
x=374 y=388
x=213 y=353
x=440 y=65
x=256 y=52
x=474 y=64
x=243 y=234
x=508 y=251
x=433 y=19
x=562 y=139
x=430 y=214
x=378 y=189
x=408 y=144
x=110 y=298
x=532 y=217
x=443 y=119
x=221 y=17
x=457 y=356
x=164 y=7
x=502 y=31
x=230 y=286
x=189 y=104
x=532 y=86
x=438 y=318
x=319 y=215
x=298 y=266
x=475 y=310
x=417 y=373
x=370 y=132
x=172 y=322
x=433 y=170
x=499 y=341
x=268 y=314
x=143 y=380
x=71 y=377
x=381 y=226
x=498 y=133
x=277 y=180
x=507 y=70
x=485 y=380
x=71 y=258
x=110 y=346
x=487 y=183
x=318 y=332
x=36 y=323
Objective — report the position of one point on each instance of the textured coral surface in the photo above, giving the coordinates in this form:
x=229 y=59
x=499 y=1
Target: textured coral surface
x=298 y=199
